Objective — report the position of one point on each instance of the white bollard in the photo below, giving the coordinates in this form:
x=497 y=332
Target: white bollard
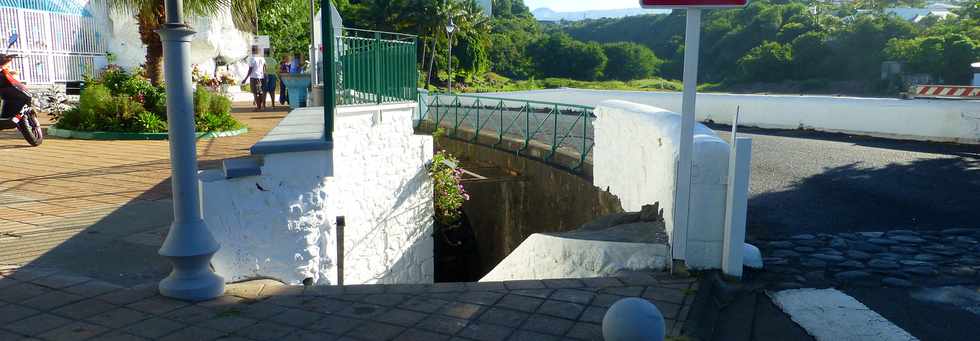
x=633 y=319
x=739 y=168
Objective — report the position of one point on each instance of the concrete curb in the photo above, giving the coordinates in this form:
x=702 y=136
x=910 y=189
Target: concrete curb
x=108 y=135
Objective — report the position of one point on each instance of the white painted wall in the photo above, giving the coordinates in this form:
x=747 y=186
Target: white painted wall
x=216 y=35
x=918 y=119
x=636 y=157
x=546 y=256
x=281 y=224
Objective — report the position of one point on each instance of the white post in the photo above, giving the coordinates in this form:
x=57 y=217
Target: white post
x=739 y=168
x=692 y=40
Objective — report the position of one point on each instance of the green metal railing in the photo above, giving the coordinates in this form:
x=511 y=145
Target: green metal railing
x=375 y=67
x=561 y=127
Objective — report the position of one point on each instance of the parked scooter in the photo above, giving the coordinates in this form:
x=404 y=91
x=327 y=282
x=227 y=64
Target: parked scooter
x=25 y=120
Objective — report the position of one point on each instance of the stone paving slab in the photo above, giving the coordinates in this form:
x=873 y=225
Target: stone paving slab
x=48 y=304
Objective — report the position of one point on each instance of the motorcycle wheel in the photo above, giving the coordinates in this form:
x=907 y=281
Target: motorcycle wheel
x=31 y=128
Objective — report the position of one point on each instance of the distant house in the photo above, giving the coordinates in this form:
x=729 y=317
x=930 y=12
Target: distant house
x=916 y=14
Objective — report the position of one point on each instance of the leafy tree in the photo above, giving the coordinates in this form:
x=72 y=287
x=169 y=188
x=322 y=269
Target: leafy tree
x=629 y=61
x=151 y=15
x=558 y=55
x=809 y=50
x=768 y=62
x=946 y=57
x=287 y=23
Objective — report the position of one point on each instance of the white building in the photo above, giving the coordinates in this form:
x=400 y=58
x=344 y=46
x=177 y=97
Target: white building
x=916 y=14
x=62 y=40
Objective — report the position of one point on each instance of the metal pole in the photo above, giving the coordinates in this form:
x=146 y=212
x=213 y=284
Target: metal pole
x=313 y=66
x=189 y=245
x=692 y=40
x=450 y=61
x=329 y=67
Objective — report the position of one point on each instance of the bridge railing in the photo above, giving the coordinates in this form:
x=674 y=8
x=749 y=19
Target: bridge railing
x=561 y=128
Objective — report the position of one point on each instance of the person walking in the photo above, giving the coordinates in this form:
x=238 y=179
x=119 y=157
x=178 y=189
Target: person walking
x=296 y=66
x=283 y=68
x=271 y=80
x=256 y=77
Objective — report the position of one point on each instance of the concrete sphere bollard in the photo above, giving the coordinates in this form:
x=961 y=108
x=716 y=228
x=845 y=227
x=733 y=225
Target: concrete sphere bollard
x=633 y=319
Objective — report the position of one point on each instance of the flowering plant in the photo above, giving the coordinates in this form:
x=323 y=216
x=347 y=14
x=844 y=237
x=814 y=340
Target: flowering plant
x=449 y=194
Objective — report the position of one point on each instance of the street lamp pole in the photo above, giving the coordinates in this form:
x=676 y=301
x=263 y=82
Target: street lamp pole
x=450 y=29
x=189 y=244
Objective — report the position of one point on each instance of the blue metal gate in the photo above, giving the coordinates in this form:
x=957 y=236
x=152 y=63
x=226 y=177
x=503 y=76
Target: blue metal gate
x=60 y=40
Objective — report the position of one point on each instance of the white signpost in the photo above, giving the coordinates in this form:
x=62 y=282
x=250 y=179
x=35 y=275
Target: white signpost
x=692 y=43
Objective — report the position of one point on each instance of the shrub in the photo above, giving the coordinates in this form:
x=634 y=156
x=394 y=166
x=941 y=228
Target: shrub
x=448 y=193
x=123 y=102
x=202 y=101
x=150 y=123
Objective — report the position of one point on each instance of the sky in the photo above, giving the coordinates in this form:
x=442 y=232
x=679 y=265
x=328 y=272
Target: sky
x=581 y=5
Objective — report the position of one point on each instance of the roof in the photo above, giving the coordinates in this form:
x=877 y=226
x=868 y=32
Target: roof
x=71 y=7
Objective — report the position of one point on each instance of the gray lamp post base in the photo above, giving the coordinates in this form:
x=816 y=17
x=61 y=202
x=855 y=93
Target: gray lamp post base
x=192 y=279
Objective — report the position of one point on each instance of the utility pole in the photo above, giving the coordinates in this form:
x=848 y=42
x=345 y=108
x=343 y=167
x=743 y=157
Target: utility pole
x=189 y=245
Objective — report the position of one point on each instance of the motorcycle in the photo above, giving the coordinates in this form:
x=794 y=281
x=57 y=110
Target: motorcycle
x=25 y=120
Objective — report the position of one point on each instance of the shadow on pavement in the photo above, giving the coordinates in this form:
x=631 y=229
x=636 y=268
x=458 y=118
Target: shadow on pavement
x=925 y=194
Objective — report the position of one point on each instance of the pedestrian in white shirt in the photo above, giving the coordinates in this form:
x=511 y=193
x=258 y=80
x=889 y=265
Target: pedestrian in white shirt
x=256 y=77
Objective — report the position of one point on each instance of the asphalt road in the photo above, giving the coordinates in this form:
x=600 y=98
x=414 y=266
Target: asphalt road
x=809 y=182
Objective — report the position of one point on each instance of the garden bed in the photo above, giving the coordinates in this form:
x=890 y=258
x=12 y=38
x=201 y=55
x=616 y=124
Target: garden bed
x=122 y=105
x=109 y=135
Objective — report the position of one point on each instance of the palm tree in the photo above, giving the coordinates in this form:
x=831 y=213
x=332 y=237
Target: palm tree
x=151 y=14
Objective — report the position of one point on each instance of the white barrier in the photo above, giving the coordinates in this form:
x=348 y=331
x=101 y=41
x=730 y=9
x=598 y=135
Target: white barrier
x=635 y=158
x=919 y=119
x=281 y=224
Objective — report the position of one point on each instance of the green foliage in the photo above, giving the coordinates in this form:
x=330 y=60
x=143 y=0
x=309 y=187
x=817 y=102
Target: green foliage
x=448 y=193
x=121 y=102
x=628 y=61
x=287 y=23
x=202 y=101
x=148 y=122
x=768 y=62
x=558 y=55
x=946 y=57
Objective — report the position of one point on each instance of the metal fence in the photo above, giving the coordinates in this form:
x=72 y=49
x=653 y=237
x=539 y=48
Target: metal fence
x=561 y=127
x=375 y=67
x=59 y=40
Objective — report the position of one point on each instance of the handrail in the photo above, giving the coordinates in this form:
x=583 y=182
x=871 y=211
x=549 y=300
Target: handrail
x=562 y=127
x=397 y=34
x=523 y=101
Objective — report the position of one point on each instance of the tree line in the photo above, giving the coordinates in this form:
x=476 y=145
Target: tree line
x=813 y=43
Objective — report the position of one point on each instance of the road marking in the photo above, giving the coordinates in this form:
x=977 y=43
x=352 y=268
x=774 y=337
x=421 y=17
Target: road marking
x=830 y=315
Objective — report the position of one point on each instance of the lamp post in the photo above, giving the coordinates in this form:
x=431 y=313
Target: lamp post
x=450 y=29
x=189 y=245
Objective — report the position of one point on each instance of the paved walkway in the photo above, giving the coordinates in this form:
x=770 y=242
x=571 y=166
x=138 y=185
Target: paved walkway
x=81 y=223
x=98 y=208
x=45 y=304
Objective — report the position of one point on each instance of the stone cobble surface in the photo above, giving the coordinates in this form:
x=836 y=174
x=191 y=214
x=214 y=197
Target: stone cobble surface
x=896 y=258
x=39 y=303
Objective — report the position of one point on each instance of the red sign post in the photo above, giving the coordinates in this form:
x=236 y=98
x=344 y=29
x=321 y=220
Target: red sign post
x=692 y=42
